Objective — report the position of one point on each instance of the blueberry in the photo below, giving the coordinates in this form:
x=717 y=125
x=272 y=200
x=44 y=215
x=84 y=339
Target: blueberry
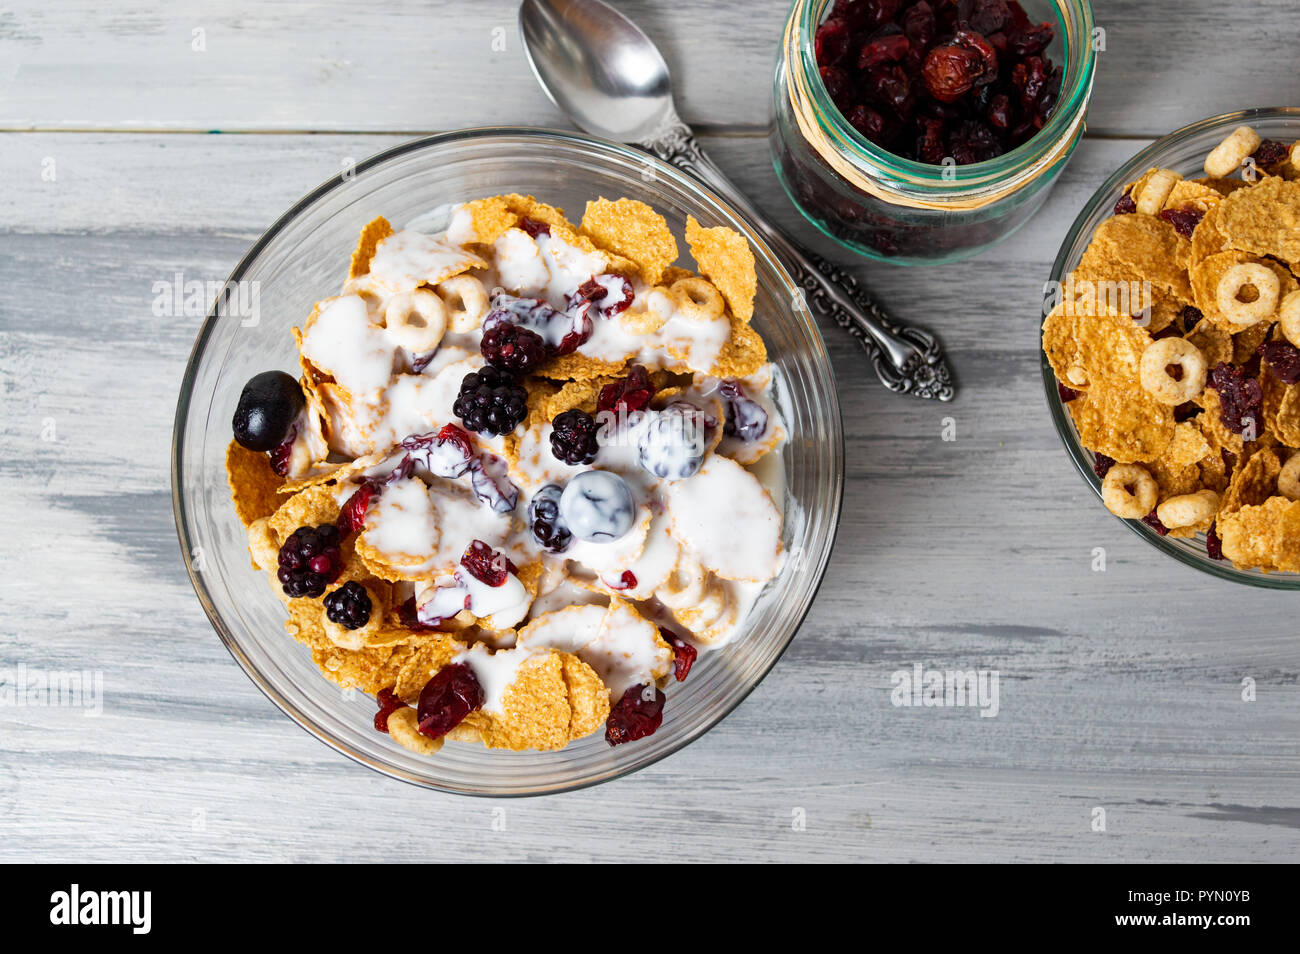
x=268 y=406
x=598 y=506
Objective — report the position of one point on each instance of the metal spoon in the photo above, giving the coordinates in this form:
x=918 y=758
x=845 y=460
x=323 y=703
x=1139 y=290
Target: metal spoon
x=609 y=77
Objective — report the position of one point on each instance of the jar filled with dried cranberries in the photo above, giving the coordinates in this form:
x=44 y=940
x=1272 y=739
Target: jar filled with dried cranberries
x=924 y=131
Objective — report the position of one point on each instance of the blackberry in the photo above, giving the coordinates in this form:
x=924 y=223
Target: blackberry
x=574 y=437
x=491 y=401
x=310 y=560
x=513 y=349
x=349 y=605
x=545 y=520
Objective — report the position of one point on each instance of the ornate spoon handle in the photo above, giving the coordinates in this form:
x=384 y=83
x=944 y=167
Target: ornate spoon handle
x=907 y=360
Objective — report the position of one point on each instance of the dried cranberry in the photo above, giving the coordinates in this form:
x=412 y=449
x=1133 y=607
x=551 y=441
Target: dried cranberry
x=1101 y=464
x=594 y=291
x=930 y=141
x=280 y=456
x=1241 y=398
x=868 y=122
x=889 y=48
x=918 y=26
x=388 y=704
x=1030 y=78
x=999 y=111
x=626 y=581
x=838 y=86
x=684 y=654
x=453 y=693
x=1270 y=153
x=1213 y=545
x=989 y=16
x=353 y=515
x=1152 y=521
x=632 y=394
x=1283 y=360
x=868 y=14
x=448 y=453
x=1186 y=411
x=1066 y=394
x=634 y=716
x=950 y=72
x=1190 y=316
x=533 y=227
x=831 y=42
x=988 y=57
x=408 y=614
x=1184 y=221
x=888 y=86
x=1031 y=40
x=488 y=566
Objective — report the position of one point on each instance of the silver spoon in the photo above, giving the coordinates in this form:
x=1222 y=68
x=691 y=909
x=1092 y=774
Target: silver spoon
x=609 y=77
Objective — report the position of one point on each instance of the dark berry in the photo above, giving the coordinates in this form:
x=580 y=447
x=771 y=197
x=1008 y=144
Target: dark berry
x=1101 y=464
x=1283 y=360
x=489 y=477
x=1190 y=316
x=1213 y=545
x=746 y=418
x=630 y=395
x=575 y=437
x=281 y=455
x=408 y=614
x=448 y=453
x=634 y=716
x=490 y=401
x=1184 y=221
x=1270 y=153
x=950 y=72
x=353 y=515
x=349 y=605
x=453 y=693
x=533 y=227
x=594 y=291
x=889 y=48
x=310 y=560
x=513 y=349
x=1125 y=205
x=1241 y=399
x=267 y=408
x=684 y=654
x=545 y=521
x=388 y=704
x=1066 y=394
x=831 y=42
x=488 y=566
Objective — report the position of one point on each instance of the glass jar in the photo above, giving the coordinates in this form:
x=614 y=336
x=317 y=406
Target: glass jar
x=894 y=209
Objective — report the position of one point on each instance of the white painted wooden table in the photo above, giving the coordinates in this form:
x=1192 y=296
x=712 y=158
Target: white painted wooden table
x=1119 y=690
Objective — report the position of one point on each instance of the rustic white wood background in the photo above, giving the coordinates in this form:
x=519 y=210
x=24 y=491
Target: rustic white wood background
x=1120 y=690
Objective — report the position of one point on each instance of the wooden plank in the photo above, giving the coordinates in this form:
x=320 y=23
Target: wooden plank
x=423 y=65
x=1119 y=690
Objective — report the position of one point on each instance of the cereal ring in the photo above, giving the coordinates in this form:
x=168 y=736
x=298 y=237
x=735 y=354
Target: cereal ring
x=1129 y=491
x=466 y=300
x=1248 y=275
x=658 y=309
x=1189 y=510
x=1288 y=316
x=1173 y=370
x=1226 y=157
x=403 y=726
x=1156 y=191
x=697 y=299
x=416 y=320
x=1288 y=479
x=363 y=286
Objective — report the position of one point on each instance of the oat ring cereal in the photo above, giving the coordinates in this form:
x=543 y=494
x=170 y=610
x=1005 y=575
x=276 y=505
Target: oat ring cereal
x=466 y=300
x=1228 y=155
x=416 y=320
x=1129 y=491
x=1152 y=198
x=1288 y=316
x=1288 y=479
x=364 y=287
x=697 y=299
x=1189 y=510
x=1235 y=281
x=1173 y=370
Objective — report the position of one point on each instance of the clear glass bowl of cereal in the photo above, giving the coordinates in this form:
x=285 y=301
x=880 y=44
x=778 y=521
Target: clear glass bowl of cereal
x=1184 y=152
x=298 y=261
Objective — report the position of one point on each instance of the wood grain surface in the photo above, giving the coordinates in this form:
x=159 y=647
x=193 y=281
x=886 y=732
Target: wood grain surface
x=1120 y=690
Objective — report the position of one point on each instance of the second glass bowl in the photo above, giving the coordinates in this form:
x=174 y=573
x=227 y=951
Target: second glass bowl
x=1184 y=151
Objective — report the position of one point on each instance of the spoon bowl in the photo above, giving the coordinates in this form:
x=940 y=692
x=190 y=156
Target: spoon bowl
x=597 y=66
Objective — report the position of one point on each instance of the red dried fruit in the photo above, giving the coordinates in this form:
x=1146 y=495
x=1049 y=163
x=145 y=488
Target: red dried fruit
x=633 y=393
x=838 y=86
x=1125 y=205
x=684 y=654
x=950 y=72
x=1241 y=398
x=353 y=515
x=486 y=565
x=1283 y=360
x=635 y=716
x=626 y=581
x=1066 y=394
x=831 y=42
x=1031 y=40
x=280 y=456
x=999 y=111
x=868 y=122
x=1213 y=545
x=453 y=693
x=533 y=227
x=929 y=143
x=1152 y=521
x=989 y=16
x=408 y=615
x=1184 y=221
x=1101 y=464
x=1030 y=78
x=889 y=48
x=988 y=57
x=1270 y=153
x=918 y=25
x=388 y=704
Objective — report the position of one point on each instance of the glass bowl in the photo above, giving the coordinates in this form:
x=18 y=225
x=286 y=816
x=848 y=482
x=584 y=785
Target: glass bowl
x=303 y=257
x=1184 y=151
